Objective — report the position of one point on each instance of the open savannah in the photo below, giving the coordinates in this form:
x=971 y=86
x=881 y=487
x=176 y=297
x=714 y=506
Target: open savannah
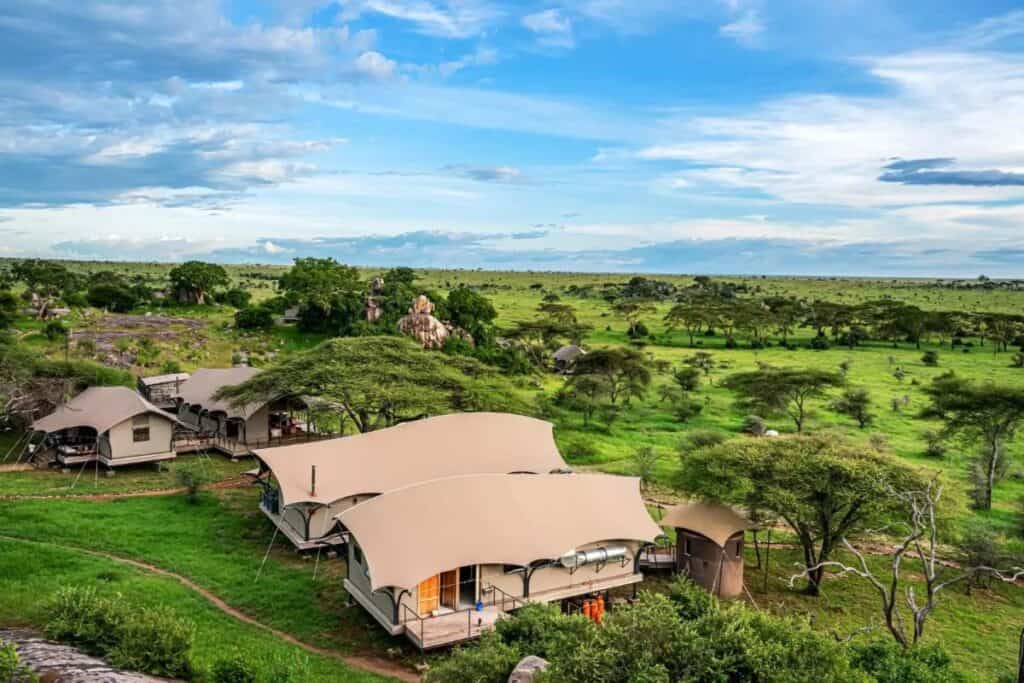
x=882 y=388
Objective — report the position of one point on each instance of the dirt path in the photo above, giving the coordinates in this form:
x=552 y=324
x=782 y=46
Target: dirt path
x=234 y=482
x=375 y=665
x=17 y=467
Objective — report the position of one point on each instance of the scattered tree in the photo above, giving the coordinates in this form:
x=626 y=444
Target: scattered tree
x=193 y=281
x=855 y=403
x=776 y=390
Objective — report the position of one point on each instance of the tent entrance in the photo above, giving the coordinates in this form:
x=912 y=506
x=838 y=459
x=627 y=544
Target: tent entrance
x=450 y=589
x=429 y=592
x=467 y=585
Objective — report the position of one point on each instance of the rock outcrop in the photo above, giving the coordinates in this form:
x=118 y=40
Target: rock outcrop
x=56 y=662
x=526 y=670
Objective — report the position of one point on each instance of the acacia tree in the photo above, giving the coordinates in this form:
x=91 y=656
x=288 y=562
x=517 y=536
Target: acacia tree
x=824 y=489
x=193 y=280
x=632 y=310
x=920 y=540
x=987 y=413
x=624 y=370
x=777 y=390
x=692 y=316
x=855 y=403
x=380 y=381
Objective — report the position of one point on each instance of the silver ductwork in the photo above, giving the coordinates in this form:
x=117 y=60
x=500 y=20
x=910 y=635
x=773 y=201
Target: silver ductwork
x=576 y=559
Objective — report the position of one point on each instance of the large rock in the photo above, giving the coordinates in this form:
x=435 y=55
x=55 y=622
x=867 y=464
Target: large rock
x=56 y=662
x=526 y=670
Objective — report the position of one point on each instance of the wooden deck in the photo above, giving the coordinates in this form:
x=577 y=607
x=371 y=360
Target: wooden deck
x=658 y=558
x=449 y=629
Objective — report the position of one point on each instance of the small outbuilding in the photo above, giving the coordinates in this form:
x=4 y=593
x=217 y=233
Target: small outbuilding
x=113 y=425
x=162 y=390
x=305 y=486
x=709 y=545
x=565 y=358
x=442 y=560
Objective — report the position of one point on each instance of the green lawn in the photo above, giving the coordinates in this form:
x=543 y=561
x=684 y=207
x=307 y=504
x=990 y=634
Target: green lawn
x=89 y=479
x=30 y=572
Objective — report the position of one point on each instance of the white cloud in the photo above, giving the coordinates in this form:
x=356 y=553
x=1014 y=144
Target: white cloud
x=482 y=56
x=441 y=18
x=744 y=29
x=552 y=27
x=375 y=65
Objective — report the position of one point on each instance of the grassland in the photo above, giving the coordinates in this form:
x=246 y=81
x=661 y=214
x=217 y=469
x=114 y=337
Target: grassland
x=220 y=542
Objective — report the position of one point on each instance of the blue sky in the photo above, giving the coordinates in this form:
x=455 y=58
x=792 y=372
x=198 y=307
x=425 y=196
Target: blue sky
x=720 y=136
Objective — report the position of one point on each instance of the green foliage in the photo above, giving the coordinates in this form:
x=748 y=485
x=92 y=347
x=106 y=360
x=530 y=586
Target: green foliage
x=886 y=662
x=645 y=460
x=782 y=390
x=111 y=295
x=855 y=403
x=47 y=278
x=156 y=641
x=55 y=330
x=691 y=601
x=241 y=668
x=191 y=477
x=687 y=378
x=489 y=660
x=542 y=630
x=238 y=298
x=825 y=489
x=11 y=668
x=472 y=312
x=193 y=281
x=379 y=380
x=151 y=640
x=930 y=358
x=9 y=306
x=254 y=318
x=701 y=438
x=686 y=408
x=623 y=370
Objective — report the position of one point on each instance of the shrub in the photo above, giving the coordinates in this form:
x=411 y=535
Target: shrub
x=935 y=445
x=489 y=660
x=156 y=641
x=239 y=668
x=930 y=358
x=80 y=617
x=580 y=450
x=691 y=601
x=238 y=298
x=686 y=409
x=886 y=662
x=754 y=425
x=542 y=630
x=701 y=438
x=153 y=641
x=191 y=478
x=55 y=330
x=255 y=318
x=235 y=668
x=11 y=668
x=820 y=343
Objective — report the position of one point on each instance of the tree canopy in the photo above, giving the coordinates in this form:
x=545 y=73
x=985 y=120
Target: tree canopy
x=773 y=390
x=823 y=488
x=192 y=281
x=623 y=370
x=380 y=381
x=982 y=412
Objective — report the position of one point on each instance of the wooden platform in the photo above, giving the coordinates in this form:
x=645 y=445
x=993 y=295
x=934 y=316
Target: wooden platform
x=658 y=558
x=449 y=629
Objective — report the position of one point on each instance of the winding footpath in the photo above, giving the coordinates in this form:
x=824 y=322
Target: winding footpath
x=375 y=665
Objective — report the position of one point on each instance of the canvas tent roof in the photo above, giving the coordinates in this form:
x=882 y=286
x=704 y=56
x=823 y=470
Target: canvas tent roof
x=716 y=522
x=204 y=383
x=100 y=408
x=442 y=446
x=416 y=532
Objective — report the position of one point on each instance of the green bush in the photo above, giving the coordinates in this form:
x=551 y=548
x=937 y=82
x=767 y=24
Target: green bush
x=234 y=669
x=191 y=477
x=886 y=662
x=542 y=630
x=80 y=617
x=254 y=318
x=155 y=641
x=489 y=660
x=11 y=668
x=691 y=601
x=701 y=438
x=245 y=668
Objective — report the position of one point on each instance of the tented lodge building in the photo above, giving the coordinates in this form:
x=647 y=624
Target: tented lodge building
x=442 y=560
x=305 y=486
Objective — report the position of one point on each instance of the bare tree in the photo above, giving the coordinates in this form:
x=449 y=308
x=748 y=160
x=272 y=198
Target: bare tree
x=920 y=542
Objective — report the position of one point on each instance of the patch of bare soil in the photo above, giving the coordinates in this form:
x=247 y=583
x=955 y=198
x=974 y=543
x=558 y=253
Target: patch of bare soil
x=113 y=335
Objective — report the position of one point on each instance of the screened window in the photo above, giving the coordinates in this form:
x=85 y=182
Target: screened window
x=140 y=428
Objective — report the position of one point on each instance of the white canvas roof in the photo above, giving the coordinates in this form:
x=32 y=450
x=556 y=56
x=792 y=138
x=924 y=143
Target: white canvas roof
x=435 y=447
x=413 y=533
x=204 y=383
x=716 y=522
x=100 y=408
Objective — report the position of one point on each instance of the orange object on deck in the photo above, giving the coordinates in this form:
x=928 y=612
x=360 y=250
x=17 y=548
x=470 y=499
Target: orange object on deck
x=587 y=609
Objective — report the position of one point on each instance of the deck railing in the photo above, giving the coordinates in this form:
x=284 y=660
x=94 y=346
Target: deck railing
x=416 y=625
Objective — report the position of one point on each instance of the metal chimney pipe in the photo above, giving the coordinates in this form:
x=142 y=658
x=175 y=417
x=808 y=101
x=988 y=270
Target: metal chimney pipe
x=312 y=485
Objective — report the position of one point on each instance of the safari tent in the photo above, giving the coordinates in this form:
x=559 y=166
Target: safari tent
x=305 y=486
x=113 y=425
x=236 y=429
x=565 y=358
x=442 y=560
x=709 y=545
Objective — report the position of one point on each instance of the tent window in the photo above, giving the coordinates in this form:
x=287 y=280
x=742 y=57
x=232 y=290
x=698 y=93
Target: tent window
x=357 y=554
x=686 y=546
x=140 y=428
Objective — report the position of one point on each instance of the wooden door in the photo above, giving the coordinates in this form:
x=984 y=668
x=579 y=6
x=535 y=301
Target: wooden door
x=429 y=595
x=450 y=589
